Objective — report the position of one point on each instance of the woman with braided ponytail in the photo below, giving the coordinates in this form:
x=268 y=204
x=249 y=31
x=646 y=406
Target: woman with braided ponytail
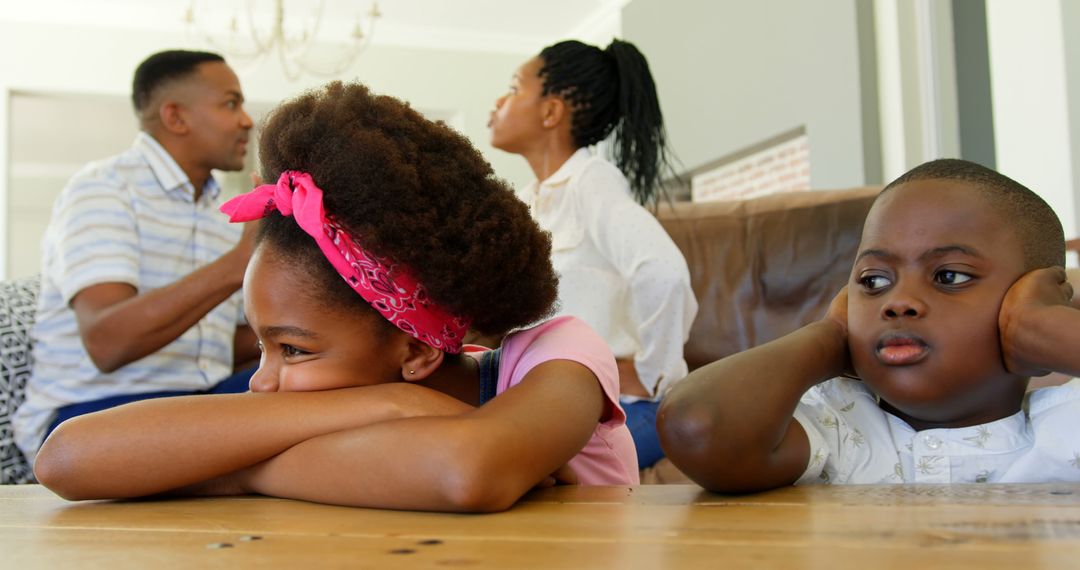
x=618 y=270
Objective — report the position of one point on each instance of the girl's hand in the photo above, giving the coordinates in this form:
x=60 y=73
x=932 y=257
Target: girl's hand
x=1025 y=301
x=562 y=476
x=227 y=485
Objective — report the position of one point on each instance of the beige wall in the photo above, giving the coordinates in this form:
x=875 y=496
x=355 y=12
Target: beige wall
x=733 y=73
x=1036 y=107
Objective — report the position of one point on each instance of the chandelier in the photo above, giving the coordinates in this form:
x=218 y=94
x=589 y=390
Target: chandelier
x=299 y=44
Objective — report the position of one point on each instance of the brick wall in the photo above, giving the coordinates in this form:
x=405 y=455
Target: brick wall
x=782 y=167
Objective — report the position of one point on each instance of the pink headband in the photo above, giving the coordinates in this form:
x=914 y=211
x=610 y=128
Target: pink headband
x=387 y=287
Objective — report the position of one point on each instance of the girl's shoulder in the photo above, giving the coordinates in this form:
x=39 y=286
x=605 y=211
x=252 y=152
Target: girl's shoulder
x=565 y=331
x=561 y=338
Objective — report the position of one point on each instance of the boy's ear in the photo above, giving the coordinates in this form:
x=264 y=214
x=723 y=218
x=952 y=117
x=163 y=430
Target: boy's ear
x=421 y=361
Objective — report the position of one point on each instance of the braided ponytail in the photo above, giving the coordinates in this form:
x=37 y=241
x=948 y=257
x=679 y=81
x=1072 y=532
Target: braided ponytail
x=612 y=90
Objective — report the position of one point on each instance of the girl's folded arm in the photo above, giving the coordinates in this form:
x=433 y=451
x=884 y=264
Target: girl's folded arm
x=165 y=444
x=729 y=425
x=480 y=461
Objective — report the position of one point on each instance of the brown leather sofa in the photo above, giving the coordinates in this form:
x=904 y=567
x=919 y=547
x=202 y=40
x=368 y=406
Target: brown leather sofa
x=761 y=268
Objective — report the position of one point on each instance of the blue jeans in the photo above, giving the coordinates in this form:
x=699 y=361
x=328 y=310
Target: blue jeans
x=641 y=419
x=232 y=385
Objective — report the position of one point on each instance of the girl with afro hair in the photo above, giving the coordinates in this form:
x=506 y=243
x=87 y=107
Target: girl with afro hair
x=383 y=238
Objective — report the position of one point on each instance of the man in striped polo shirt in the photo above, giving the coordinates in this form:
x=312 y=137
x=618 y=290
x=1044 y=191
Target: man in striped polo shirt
x=140 y=272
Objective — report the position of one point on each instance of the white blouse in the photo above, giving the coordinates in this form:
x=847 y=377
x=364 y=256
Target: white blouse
x=618 y=269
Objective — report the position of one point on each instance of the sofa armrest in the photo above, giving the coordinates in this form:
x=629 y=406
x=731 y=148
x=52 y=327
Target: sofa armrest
x=18 y=308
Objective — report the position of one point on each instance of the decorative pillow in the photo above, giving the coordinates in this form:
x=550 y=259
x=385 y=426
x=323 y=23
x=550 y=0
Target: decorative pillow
x=18 y=307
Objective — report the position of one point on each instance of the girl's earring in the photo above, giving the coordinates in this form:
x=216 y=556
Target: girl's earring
x=412 y=372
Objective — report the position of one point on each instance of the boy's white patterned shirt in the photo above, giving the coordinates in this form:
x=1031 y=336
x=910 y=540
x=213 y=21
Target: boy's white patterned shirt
x=853 y=441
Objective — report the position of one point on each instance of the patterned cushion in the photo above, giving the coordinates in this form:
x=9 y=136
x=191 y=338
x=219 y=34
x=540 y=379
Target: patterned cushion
x=18 y=307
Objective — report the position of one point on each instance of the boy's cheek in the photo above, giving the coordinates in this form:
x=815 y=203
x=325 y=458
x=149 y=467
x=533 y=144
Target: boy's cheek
x=862 y=340
x=861 y=360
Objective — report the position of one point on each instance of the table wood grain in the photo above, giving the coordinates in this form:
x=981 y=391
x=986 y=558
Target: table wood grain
x=648 y=526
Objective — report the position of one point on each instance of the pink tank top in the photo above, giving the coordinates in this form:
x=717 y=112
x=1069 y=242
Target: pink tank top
x=609 y=457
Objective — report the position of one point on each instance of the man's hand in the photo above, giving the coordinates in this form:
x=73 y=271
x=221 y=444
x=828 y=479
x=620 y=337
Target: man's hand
x=1027 y=299
x=246 y=246
x=241 y=252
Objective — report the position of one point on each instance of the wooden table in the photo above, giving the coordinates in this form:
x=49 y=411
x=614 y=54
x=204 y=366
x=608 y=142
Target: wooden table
x=913 y=528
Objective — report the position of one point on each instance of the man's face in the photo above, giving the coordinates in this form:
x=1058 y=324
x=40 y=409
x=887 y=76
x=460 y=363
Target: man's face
x=213 y=108
x=934 y=264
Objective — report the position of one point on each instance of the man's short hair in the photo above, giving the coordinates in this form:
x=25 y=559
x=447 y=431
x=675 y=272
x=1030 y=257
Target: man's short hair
x=1034 y=221
x=162 y=67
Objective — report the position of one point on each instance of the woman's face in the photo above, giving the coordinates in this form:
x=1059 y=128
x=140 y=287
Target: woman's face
x=517 y=121
x=307 y=345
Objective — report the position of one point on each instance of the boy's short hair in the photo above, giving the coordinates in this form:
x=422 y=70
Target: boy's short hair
x=1042 y=238
x=163 y=67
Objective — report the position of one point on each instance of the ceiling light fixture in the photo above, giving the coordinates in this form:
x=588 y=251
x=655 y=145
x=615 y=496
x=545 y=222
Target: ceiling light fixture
x=299 y=43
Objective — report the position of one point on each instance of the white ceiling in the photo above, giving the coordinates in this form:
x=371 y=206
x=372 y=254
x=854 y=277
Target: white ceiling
x=513 y=26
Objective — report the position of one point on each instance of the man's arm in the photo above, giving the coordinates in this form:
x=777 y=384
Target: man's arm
x=119 y=325
x=729 y=425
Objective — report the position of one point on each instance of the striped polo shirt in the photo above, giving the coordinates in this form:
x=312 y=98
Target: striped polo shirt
x=128 y=219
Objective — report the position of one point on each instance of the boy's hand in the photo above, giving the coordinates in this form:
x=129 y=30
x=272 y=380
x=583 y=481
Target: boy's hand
x=1025 y=300
x=837 y=314
x=838 y=310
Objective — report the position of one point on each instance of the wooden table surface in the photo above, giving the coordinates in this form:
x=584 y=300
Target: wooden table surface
x=651 y=526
